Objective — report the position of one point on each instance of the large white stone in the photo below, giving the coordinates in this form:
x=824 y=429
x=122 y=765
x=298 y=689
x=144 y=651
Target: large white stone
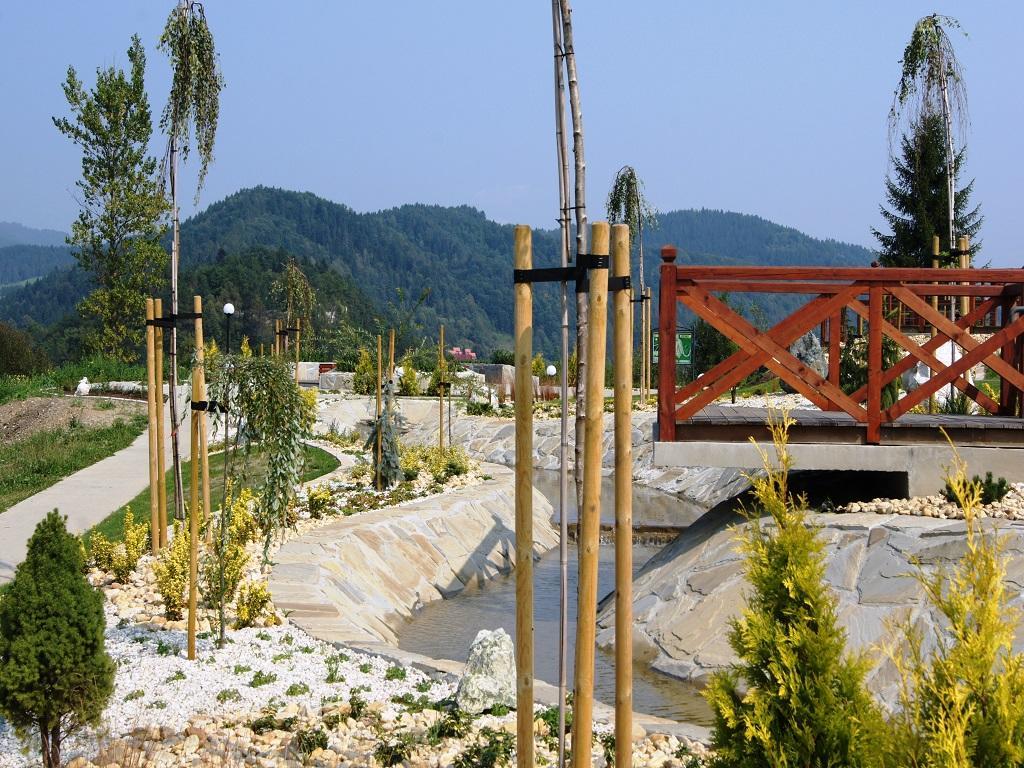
x=490 y=678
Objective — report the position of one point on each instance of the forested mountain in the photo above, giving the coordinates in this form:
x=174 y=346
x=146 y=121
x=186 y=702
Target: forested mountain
x=23 y=262
x=463 y=258
x=18 y=234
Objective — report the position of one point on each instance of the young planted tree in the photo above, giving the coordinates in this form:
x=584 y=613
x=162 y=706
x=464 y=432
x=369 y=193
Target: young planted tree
x=626 y=204
x=55 y=674
x=960 y=703
x=117 y=232
x=293 y=289
x=918 y=196
x=795 y=698
x=931 y=85
x=193 y=104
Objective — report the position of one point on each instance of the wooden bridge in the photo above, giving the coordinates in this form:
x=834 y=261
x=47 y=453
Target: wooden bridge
x=889 y=300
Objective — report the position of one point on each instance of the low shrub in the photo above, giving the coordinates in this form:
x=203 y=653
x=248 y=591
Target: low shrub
x=252 y=604
x=442 y=464
x=171 y=570
x=228 y=694
x=991 y=490
x=121 y=557
x=262 y=678
x=491 y=749
x=307 y=741
x=395 y=749
x=297 y=689
x=364 y=382
x=408 y=383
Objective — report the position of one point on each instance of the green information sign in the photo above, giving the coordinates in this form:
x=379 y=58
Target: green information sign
x=684 y=347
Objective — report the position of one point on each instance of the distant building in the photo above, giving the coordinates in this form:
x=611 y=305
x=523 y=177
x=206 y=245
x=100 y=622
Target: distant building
x=462 y=355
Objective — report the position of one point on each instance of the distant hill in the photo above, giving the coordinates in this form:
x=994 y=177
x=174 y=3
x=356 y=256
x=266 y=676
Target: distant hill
x=24 y=262
x=18 y=234
x=460 y=255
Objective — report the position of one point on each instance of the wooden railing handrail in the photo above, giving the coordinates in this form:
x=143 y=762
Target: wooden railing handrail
x=855 y=274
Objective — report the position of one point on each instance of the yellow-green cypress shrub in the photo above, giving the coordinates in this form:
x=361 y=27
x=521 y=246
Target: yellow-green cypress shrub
x=171 y=571
x=796 y=698
x=961 y=704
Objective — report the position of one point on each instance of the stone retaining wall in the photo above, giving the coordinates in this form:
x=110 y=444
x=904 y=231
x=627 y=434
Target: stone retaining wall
x=684 y=598
x=357 y=579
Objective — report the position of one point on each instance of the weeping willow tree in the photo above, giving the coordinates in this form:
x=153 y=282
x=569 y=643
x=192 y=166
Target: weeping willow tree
x=293 y=289
x=626 y=204
x=190 y=116
x=931 y=84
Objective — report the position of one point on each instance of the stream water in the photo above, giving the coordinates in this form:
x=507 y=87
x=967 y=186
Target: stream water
x=446 y=629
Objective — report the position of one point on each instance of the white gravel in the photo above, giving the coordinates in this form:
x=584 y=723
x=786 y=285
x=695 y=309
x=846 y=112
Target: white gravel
x=147 y=661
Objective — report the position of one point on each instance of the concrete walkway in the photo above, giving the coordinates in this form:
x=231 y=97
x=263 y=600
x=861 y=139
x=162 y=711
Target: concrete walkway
x=87 y=497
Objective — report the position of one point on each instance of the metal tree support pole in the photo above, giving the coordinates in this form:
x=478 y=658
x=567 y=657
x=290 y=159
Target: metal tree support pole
x=198 y=395
x=523 y=259
x=590 y=514
x=151 y=401
x=161 y=459
x=623 y=379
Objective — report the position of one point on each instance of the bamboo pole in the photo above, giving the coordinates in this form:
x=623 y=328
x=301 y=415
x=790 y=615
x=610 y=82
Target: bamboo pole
x=647 y=335
x=380 y=444
x=590 y=514
x=161 y=459
x=151 y=400
x=623 y=380
x=204 y=448
x=523 y=259
x=440 y=391
x=193 y=518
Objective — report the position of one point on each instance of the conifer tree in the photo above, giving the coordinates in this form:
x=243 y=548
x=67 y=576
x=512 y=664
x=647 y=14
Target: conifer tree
x=55 y=674
x=918 y=196
x=116 y=235
x=796 y=698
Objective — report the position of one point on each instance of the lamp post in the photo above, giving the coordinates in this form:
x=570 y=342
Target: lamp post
x=229 y=310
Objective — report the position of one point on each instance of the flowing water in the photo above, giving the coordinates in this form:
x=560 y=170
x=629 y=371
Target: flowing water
x=446 y=629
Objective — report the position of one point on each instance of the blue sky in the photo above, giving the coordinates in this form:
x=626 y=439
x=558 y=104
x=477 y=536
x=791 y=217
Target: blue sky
x=777 y=109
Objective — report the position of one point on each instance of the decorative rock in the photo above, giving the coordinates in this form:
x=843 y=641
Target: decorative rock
x=490 y=677
x=807 y=349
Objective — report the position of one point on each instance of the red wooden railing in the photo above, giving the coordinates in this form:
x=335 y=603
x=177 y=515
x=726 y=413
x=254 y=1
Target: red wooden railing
x=994 y=296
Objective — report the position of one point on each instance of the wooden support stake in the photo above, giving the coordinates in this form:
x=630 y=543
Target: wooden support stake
x=932 y=404
x=379 y=448
x=151 y=400
x=158 y=362
x=193 y=518
x=667 y=346
x=440 y=390
x=648 y=364
x=963 y=244
x=523 y=259
x=204 y=448
x=590 y=515
x=874 y=432
x=623 y=381
x=391 y=354
x=298 y=344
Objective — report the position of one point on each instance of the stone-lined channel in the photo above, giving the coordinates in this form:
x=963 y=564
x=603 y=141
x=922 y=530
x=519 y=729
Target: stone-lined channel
x=446 y=628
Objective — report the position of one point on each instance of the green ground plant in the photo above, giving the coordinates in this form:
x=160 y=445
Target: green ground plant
x=252 y=604
x=990 y=490
x=960 y=701
x=121 y=557
x=55 y=674
x=408 y=383
x=441 y=464
x=35 y=463
x=171 y=570
x=795 y=697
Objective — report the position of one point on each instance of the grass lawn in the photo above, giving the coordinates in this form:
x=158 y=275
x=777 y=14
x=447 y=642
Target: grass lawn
x=66 y=378
x=317 y=462
x=37 y=462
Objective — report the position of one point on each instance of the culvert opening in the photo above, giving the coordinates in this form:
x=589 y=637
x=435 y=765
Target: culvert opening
x=840 y=486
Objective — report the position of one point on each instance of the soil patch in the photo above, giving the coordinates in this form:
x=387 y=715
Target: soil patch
x=23 y=418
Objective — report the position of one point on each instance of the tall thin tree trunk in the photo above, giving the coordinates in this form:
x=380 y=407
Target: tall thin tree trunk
x=950 y=196
x=179 y=495
x=580 y=206
x=562 y=151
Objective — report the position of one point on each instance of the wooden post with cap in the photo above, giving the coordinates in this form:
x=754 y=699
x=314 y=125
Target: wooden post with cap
x=193 y=519
x=161 y=459
x=667 y=345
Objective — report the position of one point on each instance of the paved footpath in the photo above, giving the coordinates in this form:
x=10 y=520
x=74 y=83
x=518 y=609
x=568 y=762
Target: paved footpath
x=87 y=497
